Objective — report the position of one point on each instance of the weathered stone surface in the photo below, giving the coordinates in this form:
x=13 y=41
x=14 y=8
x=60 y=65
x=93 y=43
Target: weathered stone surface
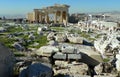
x=41 y=29
x=61 y=37
x=7 y=60
x=74 y=56
x=99 y=69
x=61 y=63
x=74 y=38
x=37 y=70
x=88 y=54
x=2 y=29
x=108 y=43
x=51 y=36
x=31 y=37
x=47 y=50
x=79 y=69
x=68 y=49
x=118 y=62
x=25 y=27
x=73 y=69
x=18 y=46
x=53 y=43
x=44 y=28
x=60 y=56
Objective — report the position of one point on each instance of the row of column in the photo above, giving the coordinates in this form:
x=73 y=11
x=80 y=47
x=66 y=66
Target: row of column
x=63 y=17
x=45 y=17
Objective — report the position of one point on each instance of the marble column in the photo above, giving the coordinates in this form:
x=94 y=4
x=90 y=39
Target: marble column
x=46 y=18
x=61 y=17
x=66 y=19
x=40 y=18
x=55 y=17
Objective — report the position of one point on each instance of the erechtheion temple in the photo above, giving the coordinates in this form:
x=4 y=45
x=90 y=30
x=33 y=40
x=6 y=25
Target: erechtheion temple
x=52 y=14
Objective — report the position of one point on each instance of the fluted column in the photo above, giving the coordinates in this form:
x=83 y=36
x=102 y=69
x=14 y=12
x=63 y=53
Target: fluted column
x=66 y=21
x=55 y=17
x=46 y=18
x=61 y=17
x=66 y=17
x=40 y=18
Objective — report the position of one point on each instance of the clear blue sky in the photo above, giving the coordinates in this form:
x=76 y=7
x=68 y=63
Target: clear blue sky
x=24 y=6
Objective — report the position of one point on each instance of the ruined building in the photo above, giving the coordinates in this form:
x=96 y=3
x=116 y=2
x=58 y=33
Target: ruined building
x=52 y=14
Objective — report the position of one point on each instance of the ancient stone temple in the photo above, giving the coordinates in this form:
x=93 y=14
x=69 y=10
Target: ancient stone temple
x=52 y=14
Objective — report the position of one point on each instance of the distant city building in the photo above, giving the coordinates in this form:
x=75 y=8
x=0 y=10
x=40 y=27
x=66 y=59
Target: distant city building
x=52 y=14
x=98 y=17
x=75 y=17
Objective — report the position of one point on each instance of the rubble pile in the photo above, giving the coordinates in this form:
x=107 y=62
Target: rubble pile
x=118 y=63
x=37 y=69
x=61 y=37
x=47 y=50
x=70 y=52
x=65 y=37
x=71 y=69
x=108 y=43
x=74 y=38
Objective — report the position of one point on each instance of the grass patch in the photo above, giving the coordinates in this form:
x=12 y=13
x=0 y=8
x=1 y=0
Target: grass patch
x=42 y=40
x=58 y=28
x=19 y=54
x=91 y=39
x=13 y=29
x=98 y=36
x=7 y=41
x=85 y=35
x=106 y=60
x=72 y=31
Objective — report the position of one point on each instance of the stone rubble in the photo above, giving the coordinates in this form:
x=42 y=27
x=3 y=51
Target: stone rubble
x=108 y=43
x=71 y=69
x=68 y=51
x=2 y=29
x=53 y=43
x=118 y=62
x=51 y=36
x=61 y=37
x=18 y=46
x=47 y=50
x=37 y=69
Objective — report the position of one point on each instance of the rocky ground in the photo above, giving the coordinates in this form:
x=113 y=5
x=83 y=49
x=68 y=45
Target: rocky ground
x=70 y=51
